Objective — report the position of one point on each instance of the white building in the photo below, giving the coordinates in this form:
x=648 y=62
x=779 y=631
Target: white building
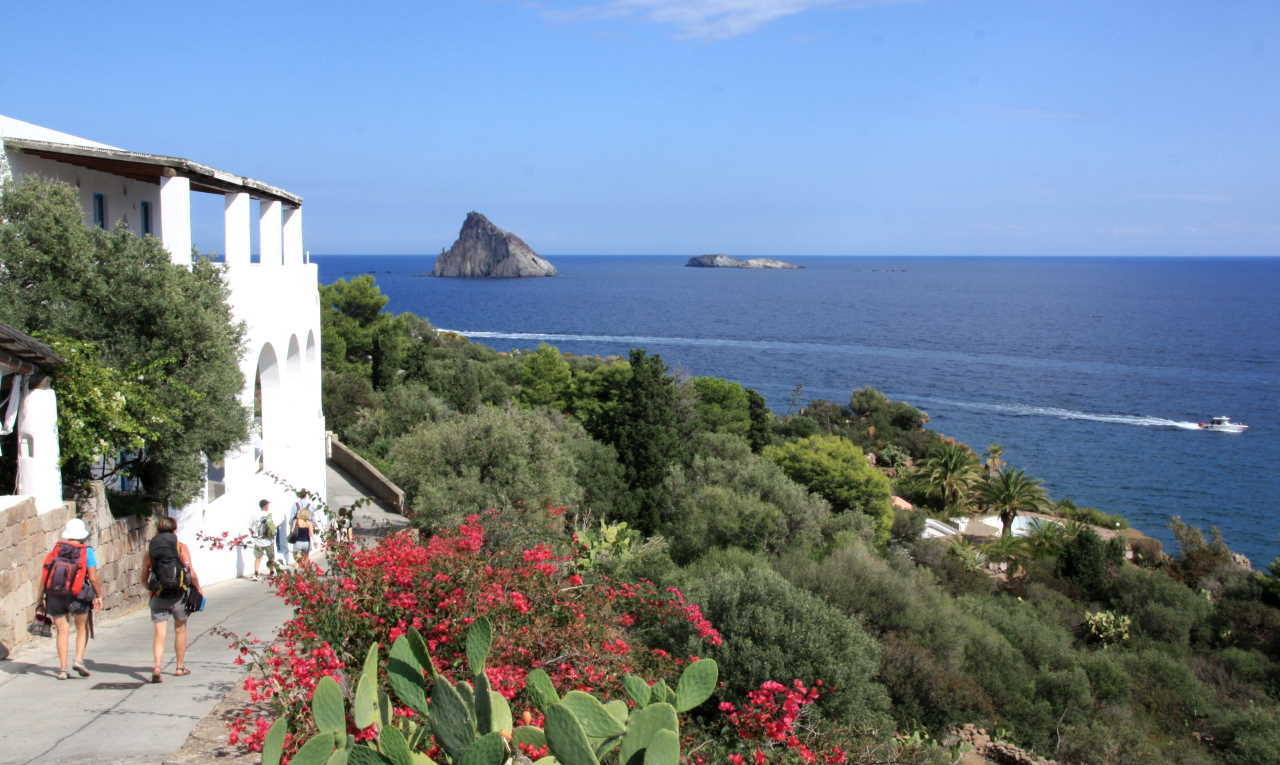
x=276 y=296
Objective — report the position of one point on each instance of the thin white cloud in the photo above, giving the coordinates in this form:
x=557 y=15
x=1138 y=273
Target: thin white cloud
x=710 y=19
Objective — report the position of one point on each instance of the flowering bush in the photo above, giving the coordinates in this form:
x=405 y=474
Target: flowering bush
x=579 y=632
x=585 y=631
x=223 y=541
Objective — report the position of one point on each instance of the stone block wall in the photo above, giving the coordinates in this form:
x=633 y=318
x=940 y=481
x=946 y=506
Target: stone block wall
x=119 y=546
x=27 y=536
x=366 y=475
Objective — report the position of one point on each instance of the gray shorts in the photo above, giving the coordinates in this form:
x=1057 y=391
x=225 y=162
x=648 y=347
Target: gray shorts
x=163 y=608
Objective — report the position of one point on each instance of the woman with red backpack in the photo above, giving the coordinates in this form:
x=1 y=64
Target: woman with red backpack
x=69 y=586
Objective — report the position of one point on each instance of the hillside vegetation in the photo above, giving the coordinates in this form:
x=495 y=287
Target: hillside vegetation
x=776 y=534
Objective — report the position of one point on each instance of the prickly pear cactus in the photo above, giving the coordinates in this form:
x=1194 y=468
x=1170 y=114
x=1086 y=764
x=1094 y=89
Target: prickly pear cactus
x=473 y=724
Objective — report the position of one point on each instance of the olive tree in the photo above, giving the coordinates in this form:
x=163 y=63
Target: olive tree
x=122 y=310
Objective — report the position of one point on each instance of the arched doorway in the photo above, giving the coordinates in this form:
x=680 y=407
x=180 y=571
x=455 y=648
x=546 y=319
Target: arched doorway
x=268 y=417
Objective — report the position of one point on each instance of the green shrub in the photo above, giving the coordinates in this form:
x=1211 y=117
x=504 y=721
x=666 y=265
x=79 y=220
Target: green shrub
x=1147 y=552
x=729 y=497
x=907 y=526
x=1163 y=610
x=953 y=570
x=721 y=406
x=837 y=470
x=1115 y=734
x=1200 y=563
x=1107 y=677
x=774 y=631
x=1090 y=515
x=1167 y=689
x=1249 y=736
x=493 y=458
x=344 y=395
x=396 y=412
x=926 y=691
x=1083 y=561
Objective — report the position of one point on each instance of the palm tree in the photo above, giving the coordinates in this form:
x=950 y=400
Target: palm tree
x=1008 y=550
x=1046 y=538
x=1009 y=492
x=994 y=462
x=951 y=471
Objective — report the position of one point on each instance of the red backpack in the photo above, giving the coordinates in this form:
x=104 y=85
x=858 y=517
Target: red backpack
x=65 y=568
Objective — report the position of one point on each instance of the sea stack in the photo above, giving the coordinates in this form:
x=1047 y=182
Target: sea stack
x=485 y=251
x=724 y=261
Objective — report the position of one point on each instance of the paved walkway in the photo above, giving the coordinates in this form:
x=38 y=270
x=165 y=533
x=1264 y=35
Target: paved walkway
x=371 y=520
x=44 y=720
x=116 y=716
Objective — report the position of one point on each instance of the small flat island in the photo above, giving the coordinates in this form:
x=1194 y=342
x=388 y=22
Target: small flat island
x=724 y=261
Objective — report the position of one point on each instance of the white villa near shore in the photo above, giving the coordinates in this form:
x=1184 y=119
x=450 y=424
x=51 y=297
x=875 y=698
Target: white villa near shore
x=275 y=295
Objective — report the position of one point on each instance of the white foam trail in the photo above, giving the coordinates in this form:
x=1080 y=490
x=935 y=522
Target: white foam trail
x=622 y=339
x=1026 y=410
x=872 y=351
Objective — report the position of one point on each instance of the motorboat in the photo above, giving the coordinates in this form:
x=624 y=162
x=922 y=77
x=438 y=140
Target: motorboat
x=1223 y=425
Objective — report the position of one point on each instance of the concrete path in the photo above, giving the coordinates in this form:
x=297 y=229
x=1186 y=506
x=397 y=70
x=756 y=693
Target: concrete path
x=44 y=720
x=371 y=520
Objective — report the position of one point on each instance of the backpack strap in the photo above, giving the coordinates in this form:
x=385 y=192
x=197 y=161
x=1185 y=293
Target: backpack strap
x=82 y=569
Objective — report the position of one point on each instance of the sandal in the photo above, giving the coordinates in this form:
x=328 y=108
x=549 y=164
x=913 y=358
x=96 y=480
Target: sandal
x=62 y=674
x=155 y=676
x=181 y=672
x=80 y=670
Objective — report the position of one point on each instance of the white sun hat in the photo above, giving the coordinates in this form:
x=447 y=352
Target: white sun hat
x=75 y=530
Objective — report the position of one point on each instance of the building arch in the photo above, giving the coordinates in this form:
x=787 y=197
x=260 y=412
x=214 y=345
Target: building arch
x=293 y=361
x=268 y=405
x=311 y=348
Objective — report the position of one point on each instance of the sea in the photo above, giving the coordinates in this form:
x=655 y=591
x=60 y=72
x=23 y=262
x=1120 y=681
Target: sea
x=1091 y=372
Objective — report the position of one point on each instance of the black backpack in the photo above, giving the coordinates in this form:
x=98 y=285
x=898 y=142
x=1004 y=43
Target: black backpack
x=168 y=575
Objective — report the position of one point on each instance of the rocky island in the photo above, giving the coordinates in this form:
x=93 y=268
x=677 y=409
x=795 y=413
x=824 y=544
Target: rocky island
x=724 y=261
x=483 y=250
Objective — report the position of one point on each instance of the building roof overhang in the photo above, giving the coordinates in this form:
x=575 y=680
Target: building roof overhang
x=24 y=353
x=151 y=168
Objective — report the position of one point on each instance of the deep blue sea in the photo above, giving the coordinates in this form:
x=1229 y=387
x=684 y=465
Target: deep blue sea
x=1090 y=372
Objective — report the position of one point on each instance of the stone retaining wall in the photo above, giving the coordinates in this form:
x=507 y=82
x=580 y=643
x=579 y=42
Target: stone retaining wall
x=366 y=474
x=27 y=536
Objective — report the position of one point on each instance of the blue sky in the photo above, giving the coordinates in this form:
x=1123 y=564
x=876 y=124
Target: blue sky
x=656 y=126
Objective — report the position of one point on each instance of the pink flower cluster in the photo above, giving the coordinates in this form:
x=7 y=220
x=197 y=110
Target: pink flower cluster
x=544 y=612
x=769 y=720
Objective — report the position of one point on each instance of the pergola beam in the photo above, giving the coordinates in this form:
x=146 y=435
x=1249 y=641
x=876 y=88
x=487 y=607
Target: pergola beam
x=150 y=168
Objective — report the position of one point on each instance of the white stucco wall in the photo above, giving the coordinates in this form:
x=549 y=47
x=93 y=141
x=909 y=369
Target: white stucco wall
x=122 y=196
x=280 y=307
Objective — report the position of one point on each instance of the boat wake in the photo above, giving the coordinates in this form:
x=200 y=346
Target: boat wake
x=1025 y=410
x=866 y=351
x=1012 y=410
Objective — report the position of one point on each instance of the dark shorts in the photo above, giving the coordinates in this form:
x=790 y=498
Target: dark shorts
x=61 y=605
x=163 y=608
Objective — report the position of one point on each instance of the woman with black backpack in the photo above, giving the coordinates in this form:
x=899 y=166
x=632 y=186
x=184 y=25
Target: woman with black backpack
x=167 y=573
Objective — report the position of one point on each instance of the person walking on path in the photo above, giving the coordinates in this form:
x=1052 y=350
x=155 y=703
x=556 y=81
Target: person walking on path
x=167 y=573
x=302 y=526
x=282 y=520
x=68 y=590
x=263 y=533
